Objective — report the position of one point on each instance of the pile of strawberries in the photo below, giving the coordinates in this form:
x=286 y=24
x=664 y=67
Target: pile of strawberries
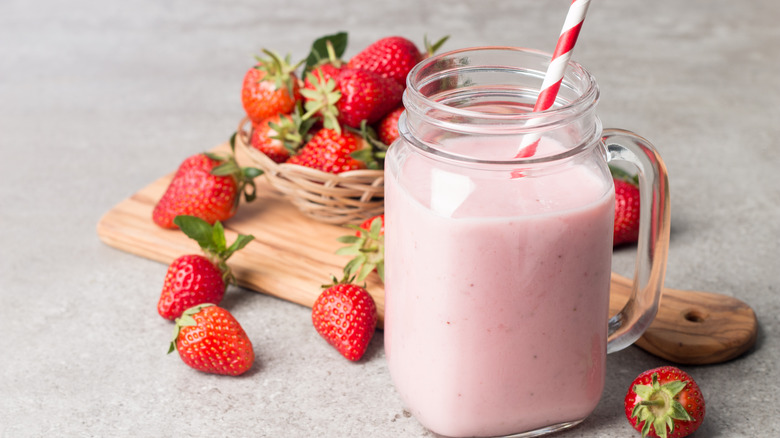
x=208 y=338
x=328 y=121
x=326 y=113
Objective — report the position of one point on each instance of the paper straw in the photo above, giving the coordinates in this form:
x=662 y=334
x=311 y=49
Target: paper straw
x=556 y=69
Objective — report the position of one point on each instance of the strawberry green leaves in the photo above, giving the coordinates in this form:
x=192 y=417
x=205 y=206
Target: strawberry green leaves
x=367 y=248
x=212 y=240
x=319 y=49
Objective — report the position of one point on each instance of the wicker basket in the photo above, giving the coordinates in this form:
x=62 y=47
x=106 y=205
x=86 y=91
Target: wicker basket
x=344 y=198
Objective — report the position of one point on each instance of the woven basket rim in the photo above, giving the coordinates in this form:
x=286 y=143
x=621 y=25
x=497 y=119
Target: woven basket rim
x=243 y=134
x=338 y=198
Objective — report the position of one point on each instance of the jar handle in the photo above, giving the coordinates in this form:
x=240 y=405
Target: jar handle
x=653 y=244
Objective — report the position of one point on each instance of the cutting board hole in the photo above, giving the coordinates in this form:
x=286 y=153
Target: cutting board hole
x=694 y=315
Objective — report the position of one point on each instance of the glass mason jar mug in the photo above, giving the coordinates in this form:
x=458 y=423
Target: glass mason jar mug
x=498 y=257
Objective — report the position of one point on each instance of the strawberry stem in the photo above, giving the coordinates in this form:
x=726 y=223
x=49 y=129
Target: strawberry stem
x=337 y=41
x=431 y=48
x=322 y=101
x=211 y=240
x=656 y=402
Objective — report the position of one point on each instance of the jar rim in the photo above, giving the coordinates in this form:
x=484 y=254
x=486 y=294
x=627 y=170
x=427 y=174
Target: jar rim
x=588 y=97
x=585 y=146
x=581 y=88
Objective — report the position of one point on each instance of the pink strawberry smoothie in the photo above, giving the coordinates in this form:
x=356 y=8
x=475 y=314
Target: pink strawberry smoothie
x=496 y=321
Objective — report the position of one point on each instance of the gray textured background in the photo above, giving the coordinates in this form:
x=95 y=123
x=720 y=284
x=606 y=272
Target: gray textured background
x=99 y=98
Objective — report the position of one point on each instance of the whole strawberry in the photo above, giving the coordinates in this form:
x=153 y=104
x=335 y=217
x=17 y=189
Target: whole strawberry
x=664 y=402
x=392 y=57
x=194 y=279
x=626 y=207
x=270 y=87
x=280 y=135
x=332 y=151
x=320 y=69
x=321 y=74
x=209 y=339
x=345 y=315
x=367 y=248
x=387 y=128
x=352 y=97
x=208 y=186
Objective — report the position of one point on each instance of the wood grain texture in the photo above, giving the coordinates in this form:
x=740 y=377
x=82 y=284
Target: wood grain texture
x=293 y=255
x=693 y=327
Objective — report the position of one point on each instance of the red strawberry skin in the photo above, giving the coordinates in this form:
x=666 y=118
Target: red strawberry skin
x=261 y=98
x=190 y=280
x=262 y=139
x=195 y=191
x=690 y=398
x=387 y=129
x=391 y=57
x=322 y=73
x=365 y=96
x=330 y=151
x=345 y=316
x=626 y=212
x=216 y=343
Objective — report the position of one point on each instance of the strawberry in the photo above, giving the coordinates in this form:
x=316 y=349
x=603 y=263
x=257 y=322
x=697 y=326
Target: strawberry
x=664 y=402
x=194 y=279
x=280 y=135
x=392 y=57
x=270 y=87
x=366 y=224
x=367 y=247
x=345 y=315
x=321 y=69
x=365 y=96
x=208 y=186
x=350 y=98
x=388 y=127
x=626 y=207
x=210 y=339
x=321 y=74
x=331 y=151
x=326 y=50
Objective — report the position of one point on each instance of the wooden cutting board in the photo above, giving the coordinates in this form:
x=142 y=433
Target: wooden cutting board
x=292 y=255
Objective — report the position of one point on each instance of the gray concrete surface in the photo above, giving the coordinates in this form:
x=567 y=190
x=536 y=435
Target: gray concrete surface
x=99 y=98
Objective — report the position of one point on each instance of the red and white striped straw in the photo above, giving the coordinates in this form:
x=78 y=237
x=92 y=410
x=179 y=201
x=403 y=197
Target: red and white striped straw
x=556 y=69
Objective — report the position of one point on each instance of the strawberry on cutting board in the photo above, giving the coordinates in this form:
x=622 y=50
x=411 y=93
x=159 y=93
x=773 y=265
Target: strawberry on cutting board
x=664 y=402
x=209 y=339
x=208 y=186
x=345 y=315
x=194 y=279
x=626 y=207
